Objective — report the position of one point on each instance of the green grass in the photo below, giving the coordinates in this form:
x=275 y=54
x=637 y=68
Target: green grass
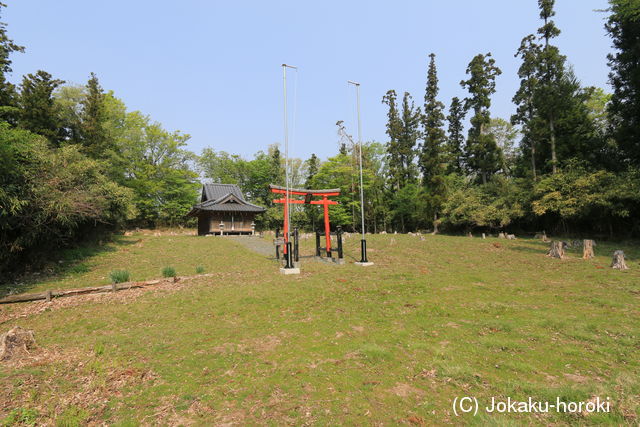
x=119 y=276
x=393 y=343
x=169 y=272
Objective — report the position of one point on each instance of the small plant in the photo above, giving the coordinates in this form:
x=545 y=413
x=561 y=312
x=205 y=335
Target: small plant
x=119 y=276
x=79 y=268
x=199 y=269
x=168 y=272
x=20 y=416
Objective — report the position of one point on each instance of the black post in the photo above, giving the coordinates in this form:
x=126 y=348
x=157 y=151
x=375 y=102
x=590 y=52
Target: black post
x=295 y=244
x=317 y=243
x=363 y=249
x=339 y=236
x=277 y=246
x=288 y=256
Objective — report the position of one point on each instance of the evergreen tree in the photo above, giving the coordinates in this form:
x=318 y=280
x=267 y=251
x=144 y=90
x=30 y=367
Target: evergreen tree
x=277 y=169
x=455 y=138
x=550 y=74
x=94 y=133
x=8 y=102
x=408 y=140
x=312 y=165
x=623 y=26
x=394 y=129
x=39 y=112
x=431 y=159
x=482 y=153
x=525 y=115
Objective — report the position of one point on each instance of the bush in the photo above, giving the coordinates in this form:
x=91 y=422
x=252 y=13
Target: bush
x=168 y=272
x=119 y=276
x=199 y=269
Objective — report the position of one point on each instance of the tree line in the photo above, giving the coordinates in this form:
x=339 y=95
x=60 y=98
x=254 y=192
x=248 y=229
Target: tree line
x=76 y=163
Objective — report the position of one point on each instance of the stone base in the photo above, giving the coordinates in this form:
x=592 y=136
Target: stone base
x=363 y=264
x=290 y=270
x=338 y=261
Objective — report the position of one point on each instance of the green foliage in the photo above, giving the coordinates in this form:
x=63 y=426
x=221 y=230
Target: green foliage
x=496 y=204
x=158 y=169
x=119 y=276
x=403 y=132
x=455 y=138
x=576 y=192
x=51 y=197
x=72 y=416
x=483 y=157
x=39 y=112
x=8 y=103
x=432 y=159
x=168 y=272
x=623 y=26
x=200 y=269
x=20 y=416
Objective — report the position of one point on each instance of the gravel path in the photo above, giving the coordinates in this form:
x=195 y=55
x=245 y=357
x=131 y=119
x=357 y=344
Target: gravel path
x=262 y=246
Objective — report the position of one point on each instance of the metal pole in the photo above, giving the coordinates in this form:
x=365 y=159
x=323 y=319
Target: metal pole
x=363 y=243
x=286 y=161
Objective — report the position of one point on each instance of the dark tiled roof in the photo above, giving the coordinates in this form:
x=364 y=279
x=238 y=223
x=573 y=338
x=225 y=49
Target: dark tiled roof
x=224 y=197
x=217 y=191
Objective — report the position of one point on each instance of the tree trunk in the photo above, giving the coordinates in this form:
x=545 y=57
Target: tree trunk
x=587 y=249
x=554 y=159
x=618 y=261
x=556 y=250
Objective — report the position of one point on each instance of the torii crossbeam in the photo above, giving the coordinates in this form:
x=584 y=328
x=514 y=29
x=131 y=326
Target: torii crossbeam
x=308 y=194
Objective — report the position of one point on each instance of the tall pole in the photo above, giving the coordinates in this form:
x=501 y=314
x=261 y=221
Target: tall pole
x=286 y=167
x=363 y=242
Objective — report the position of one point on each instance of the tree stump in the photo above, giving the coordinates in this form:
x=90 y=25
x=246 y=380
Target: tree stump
x=501 y=235
x=16 y=343
x=469 y=234
x=557 y=250
x=618 y=261
x=511 y=237
x=484 y=236
x=587 y=249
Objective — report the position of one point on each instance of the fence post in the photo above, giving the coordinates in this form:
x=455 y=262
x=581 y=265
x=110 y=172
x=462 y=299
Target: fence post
x=295 y=244
x=339 y=236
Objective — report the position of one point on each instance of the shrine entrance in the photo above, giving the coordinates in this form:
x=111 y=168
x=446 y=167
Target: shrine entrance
x=308 y=200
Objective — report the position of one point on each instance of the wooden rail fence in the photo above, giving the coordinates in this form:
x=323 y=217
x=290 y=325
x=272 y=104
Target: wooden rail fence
x=114 y=287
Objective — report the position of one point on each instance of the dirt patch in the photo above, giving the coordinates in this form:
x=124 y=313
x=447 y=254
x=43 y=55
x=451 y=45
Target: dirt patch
x=406 y=390
x=126 y=296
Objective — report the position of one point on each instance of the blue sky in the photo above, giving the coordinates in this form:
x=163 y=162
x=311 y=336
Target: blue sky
x=212 y=68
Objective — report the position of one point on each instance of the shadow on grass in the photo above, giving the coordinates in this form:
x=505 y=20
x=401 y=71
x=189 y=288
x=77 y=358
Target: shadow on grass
x=64 y=263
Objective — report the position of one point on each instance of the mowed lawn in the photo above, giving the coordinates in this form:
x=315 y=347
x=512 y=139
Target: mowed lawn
x=432 y=320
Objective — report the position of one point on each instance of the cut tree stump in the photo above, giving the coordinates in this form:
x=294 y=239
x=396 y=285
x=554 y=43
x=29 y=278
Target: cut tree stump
x=618 y=261
x=16 y=343
x=501 y=235
x=587 y=249
x=557 y=250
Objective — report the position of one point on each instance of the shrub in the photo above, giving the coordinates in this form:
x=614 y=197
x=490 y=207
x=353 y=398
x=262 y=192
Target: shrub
x=119 y=276
x=169 y=272
x=199 y=269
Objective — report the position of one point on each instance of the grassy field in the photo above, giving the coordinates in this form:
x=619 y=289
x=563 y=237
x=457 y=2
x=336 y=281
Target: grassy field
x=433 y=320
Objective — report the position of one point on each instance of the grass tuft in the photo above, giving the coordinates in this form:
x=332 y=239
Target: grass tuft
x=119 y=276
x=199 y=269
x=168 y=272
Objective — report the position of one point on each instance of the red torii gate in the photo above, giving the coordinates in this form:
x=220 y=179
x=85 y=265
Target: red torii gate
x=308 y=194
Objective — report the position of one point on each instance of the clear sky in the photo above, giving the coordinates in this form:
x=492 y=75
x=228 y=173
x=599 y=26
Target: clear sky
x=212 y=68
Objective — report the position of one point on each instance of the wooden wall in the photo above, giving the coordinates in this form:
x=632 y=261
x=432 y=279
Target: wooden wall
x=234 y=222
